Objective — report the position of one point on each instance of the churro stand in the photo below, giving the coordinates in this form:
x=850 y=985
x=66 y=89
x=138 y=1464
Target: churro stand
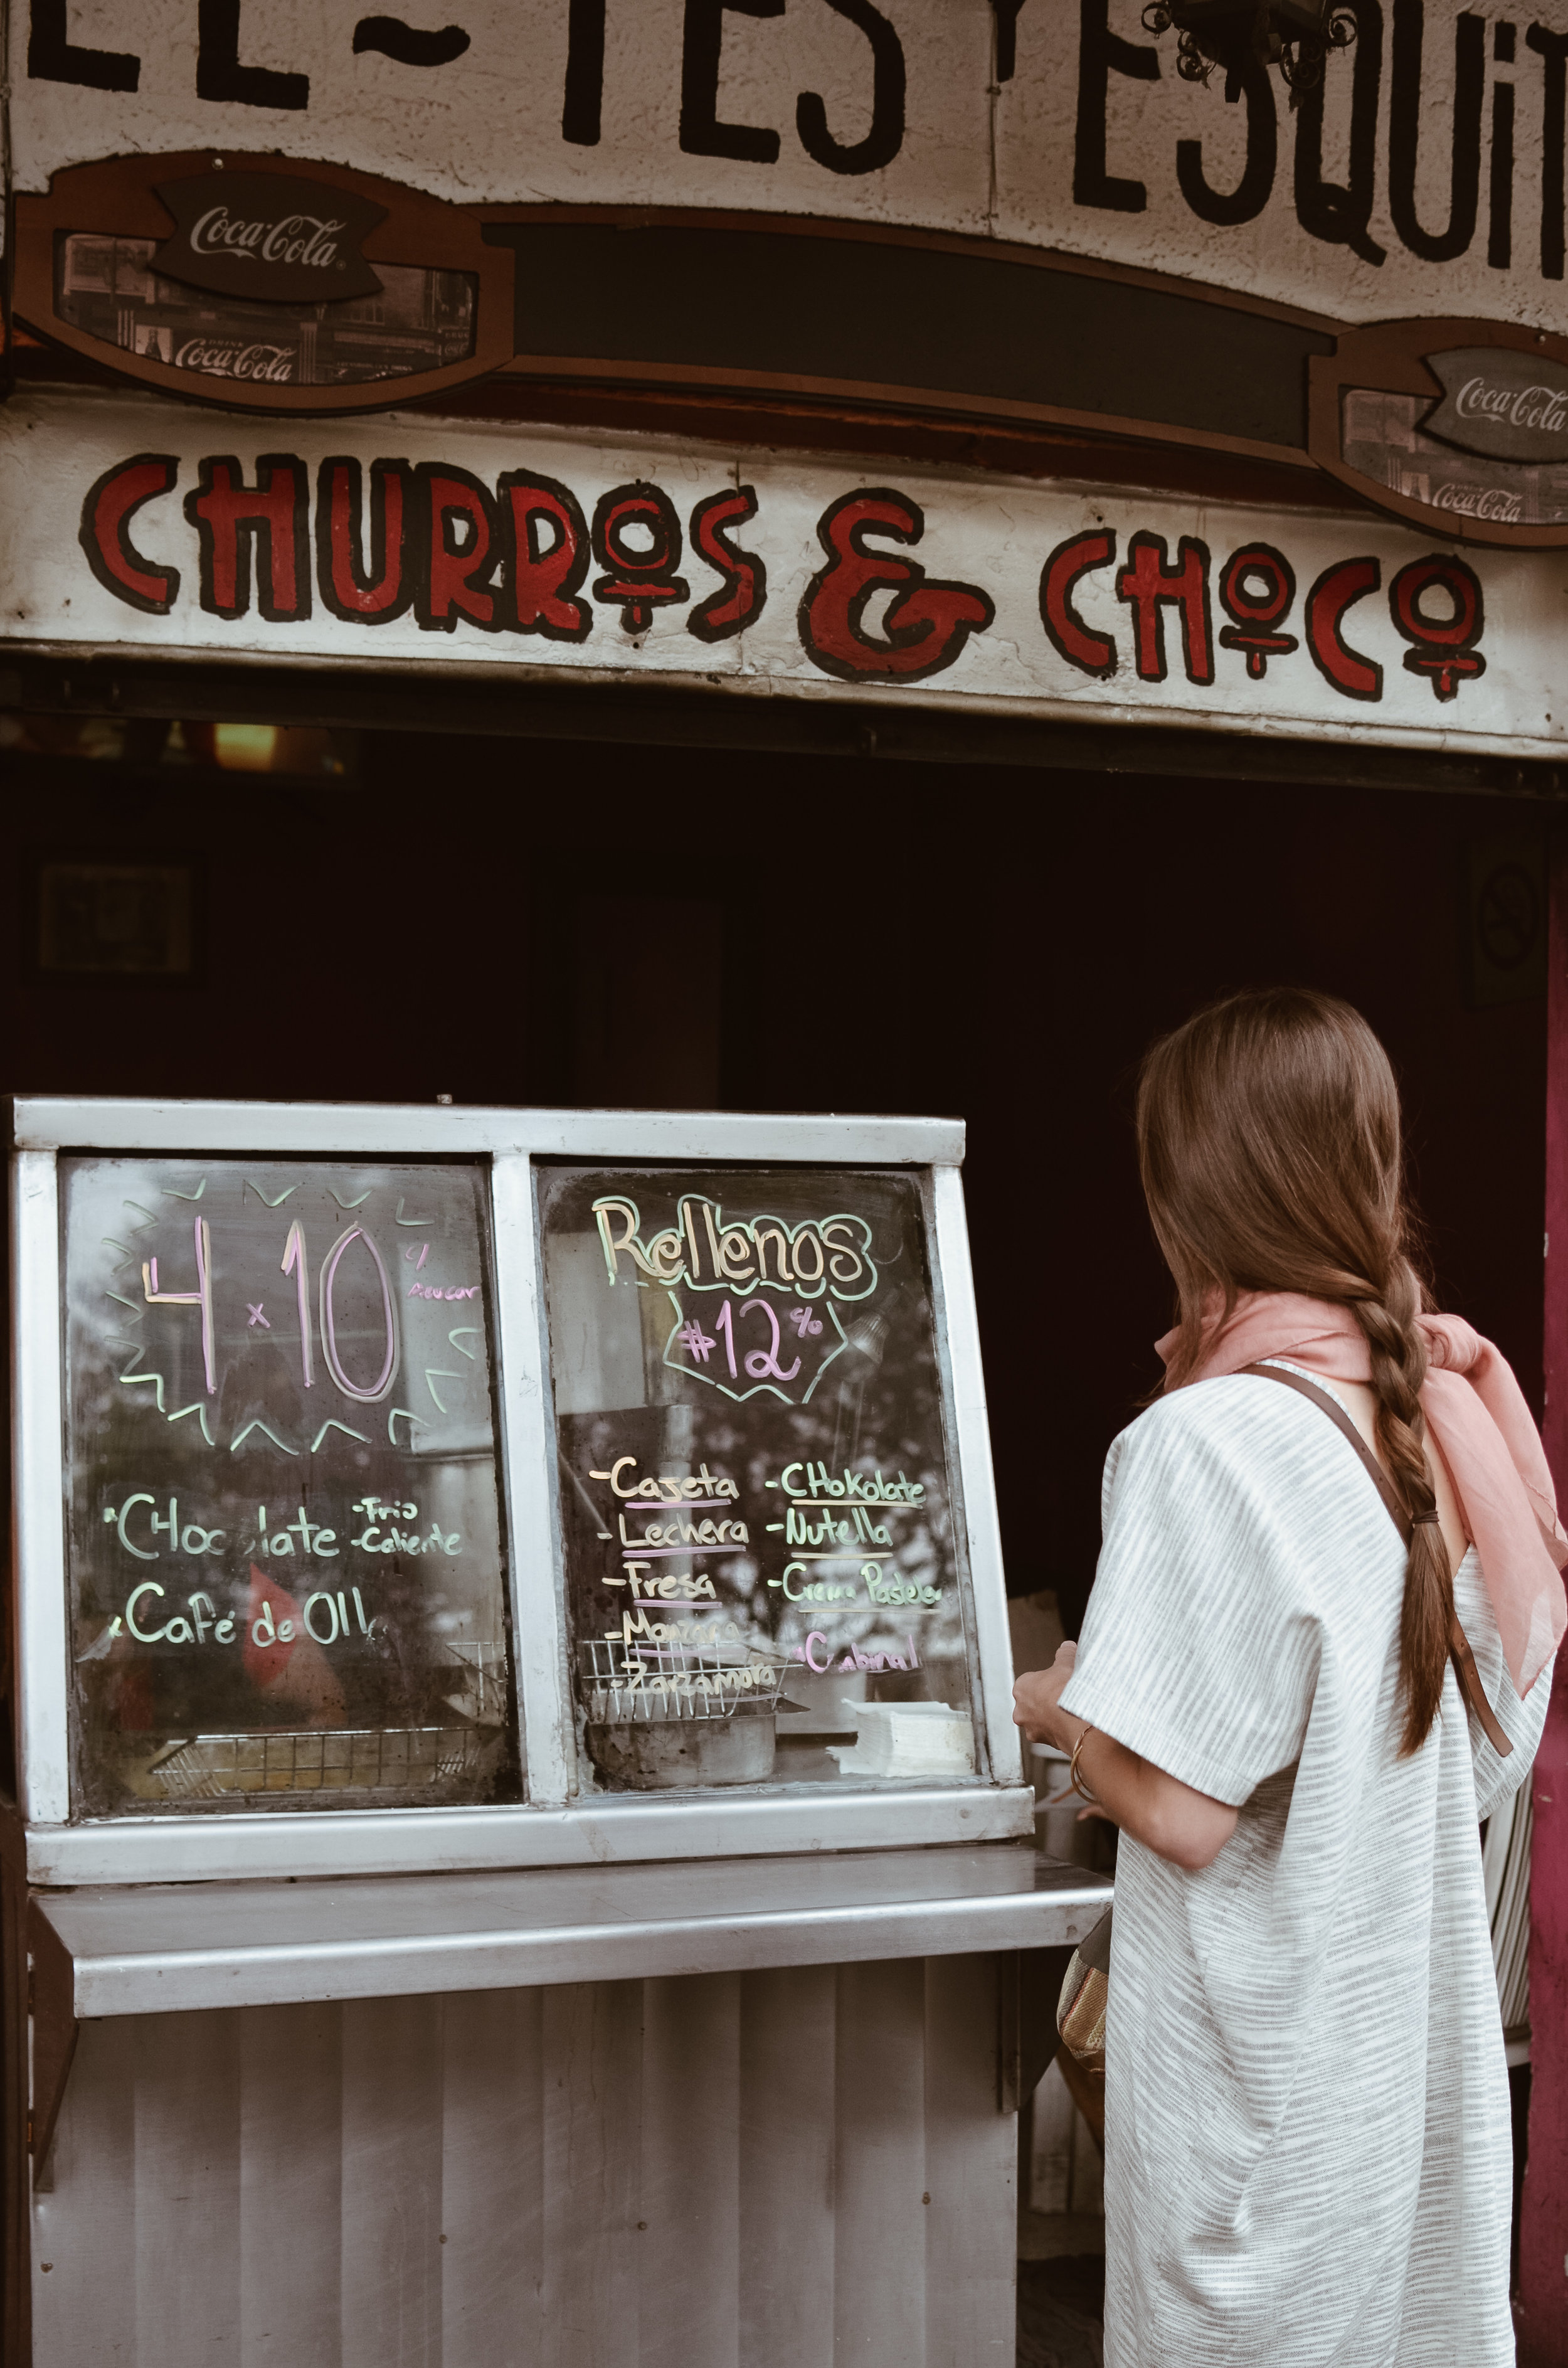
x=519 y=1851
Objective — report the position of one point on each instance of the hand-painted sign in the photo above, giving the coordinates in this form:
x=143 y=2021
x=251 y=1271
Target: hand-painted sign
x=457 y=291
x=1426 y=173
x=134 y=525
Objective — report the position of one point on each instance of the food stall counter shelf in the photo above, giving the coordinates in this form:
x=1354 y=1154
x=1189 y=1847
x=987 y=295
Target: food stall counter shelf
x=186 y=1947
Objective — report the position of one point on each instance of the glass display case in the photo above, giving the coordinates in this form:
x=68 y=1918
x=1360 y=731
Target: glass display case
x=452 y=1488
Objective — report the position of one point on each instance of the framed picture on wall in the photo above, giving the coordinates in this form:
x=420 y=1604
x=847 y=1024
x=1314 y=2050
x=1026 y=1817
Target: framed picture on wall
x=109 y=921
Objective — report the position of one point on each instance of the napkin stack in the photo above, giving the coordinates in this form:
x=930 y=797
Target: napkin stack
x=895 y=1739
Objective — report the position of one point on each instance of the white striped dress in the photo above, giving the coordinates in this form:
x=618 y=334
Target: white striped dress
x=1308 y=2156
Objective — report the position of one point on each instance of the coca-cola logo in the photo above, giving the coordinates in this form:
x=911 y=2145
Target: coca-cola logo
x=1502 y=403
x=229 y=357
x=1494 y=502
x=269 y=235
x=309 y=240
x=1519 y=406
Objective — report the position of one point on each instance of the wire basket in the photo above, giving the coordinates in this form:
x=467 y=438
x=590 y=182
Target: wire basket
x=633 y=1680
x=322 y=1759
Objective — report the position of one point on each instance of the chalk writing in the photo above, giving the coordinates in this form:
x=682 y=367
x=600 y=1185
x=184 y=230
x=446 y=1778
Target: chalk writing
x=670 y=1487
x=868 y=1488
x=751 y=1364
x=826 y=1530
x=706 y=1252
x=369 y=1395
x=396 y=1539
x=177 y=1629
x=667 y=1535
x=295 y=1263
x=636 y=1625
x=268 y=1433
x=772 y=1481
x=333 y=1424
x=194 y=1537
x=187 y=1561
x=201 y=1297
x=664 y=1587
x=760 y=1364
x=817 y=1650
x=312 y=1538
x=197 y=1408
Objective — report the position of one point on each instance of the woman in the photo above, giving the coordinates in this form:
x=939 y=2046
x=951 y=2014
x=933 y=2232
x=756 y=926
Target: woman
x=1308 y=2153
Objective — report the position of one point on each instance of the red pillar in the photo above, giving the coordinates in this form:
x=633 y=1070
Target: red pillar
x=1544 y=2248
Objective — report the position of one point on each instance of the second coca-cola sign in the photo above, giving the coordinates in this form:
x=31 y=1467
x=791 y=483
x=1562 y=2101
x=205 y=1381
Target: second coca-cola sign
x=1504 y=405
x=268 y=236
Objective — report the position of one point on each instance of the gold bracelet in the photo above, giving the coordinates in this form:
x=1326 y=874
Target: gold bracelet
x=1074 y=1781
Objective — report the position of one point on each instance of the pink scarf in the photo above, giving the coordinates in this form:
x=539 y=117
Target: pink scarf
x=1484 y=1430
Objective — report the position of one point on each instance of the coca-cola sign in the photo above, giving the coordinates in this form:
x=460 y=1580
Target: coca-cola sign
x=1505 y=404
x=1486 y=463
x=270 y=236
x=231 y=358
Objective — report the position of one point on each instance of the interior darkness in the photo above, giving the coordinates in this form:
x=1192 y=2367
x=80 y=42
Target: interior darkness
x=517 y=921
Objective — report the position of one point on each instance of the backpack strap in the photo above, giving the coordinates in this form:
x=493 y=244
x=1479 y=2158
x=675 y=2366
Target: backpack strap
x=1464 y=1659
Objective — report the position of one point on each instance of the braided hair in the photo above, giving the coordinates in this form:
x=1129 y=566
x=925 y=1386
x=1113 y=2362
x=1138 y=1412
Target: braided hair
x=1269 y=1142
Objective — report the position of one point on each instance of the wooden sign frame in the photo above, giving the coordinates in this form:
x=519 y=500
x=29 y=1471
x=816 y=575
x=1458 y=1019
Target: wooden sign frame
x=1389 y=357
x=119 y=198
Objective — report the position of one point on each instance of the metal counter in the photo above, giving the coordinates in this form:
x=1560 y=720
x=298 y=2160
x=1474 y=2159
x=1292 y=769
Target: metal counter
x=180 y=1948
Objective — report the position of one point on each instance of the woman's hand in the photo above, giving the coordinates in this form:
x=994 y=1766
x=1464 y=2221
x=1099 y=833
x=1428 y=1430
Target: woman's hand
x=1036 y=1696
x=1169 y=1818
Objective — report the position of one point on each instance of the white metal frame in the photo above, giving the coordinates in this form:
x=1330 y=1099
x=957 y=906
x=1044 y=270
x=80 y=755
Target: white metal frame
x=555 y=1827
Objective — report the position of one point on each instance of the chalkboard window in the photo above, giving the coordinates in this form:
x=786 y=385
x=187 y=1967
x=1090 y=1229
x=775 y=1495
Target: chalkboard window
x=761 y=1543
x=285 y=1540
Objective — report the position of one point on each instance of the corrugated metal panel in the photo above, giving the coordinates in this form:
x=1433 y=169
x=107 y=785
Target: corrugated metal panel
x=291 y=2181
x=728 y=2170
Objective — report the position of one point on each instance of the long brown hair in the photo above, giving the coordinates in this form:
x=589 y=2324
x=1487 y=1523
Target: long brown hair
x=1268 y=1141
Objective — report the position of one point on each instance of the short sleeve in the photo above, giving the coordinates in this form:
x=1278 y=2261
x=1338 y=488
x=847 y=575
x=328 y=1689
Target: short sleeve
x=1498 y=1778
x=1200 y=1647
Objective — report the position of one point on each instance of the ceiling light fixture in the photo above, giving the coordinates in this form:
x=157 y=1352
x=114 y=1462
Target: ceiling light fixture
x=1294 y=35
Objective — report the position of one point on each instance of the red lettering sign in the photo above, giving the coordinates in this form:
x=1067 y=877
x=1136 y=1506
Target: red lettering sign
x=459 y=545
x=744 y=588
x=637 y=541
x=105 y=532
x=1255 y=591
x=1091 y=653
x=543 y=574
x=1336 y=589
x=1444 y=650
x=232 y=518
x=928 y=622
x=1148 y=584
x=360 y=593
